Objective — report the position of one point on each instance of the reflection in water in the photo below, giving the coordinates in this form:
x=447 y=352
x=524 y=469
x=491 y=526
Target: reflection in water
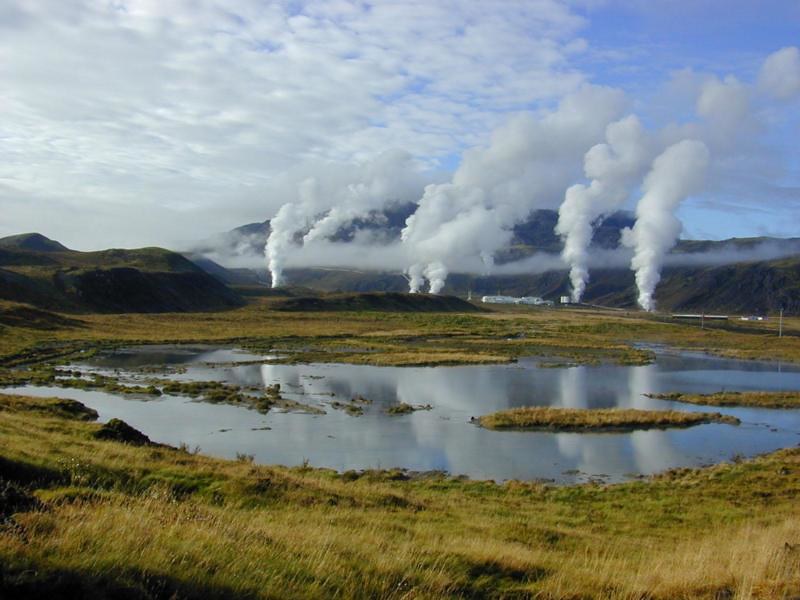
x=573 y=388
x=444 y=438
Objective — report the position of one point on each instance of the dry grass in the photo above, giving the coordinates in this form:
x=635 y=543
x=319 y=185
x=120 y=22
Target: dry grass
x=401 y=339
x=143 y=522
x=597 y=419
x=757 y=399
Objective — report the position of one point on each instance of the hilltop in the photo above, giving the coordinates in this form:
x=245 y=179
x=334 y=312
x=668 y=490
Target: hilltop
x=39 y=271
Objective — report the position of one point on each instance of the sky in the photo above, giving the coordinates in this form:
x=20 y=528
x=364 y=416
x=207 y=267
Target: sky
x=128 y=123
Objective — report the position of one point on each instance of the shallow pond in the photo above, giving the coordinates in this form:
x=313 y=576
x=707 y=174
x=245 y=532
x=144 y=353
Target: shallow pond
x=443 y=438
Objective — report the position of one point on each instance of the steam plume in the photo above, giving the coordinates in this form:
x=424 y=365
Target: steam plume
x=676 y=173
x=436 y=274
x=415 y=278
x=612 y=168
x=526 y=166
x=333 y=197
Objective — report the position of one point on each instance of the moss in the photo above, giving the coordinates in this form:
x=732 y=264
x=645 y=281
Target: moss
x=117 y=430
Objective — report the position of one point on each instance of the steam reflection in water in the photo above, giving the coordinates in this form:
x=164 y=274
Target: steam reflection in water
x=443 y=438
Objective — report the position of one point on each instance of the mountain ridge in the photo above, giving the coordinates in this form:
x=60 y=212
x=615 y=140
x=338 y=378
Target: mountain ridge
x=39 y=271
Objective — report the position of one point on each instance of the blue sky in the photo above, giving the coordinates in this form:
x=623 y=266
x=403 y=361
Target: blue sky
x=139 y=122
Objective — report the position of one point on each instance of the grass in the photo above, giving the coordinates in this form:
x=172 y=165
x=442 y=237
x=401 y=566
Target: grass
x=756 y=399
x=102 y=519
x=84 y=516
x=597 y=419
x=398 y=339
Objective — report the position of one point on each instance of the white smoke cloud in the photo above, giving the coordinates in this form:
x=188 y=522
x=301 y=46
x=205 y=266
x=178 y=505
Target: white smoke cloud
x=676 y=173
x=612 y=168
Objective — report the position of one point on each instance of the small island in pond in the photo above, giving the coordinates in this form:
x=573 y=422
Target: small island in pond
x=603 y=419
x=758 y=399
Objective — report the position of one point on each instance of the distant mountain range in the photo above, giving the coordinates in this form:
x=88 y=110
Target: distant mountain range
x=42 y=272
x=765 y=282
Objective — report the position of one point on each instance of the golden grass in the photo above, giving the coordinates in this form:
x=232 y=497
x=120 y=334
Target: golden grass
x=402 y=339
x=757 y=399
x=152 y=519
x=594 y=419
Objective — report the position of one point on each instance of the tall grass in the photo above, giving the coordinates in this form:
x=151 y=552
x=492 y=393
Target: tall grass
x=159 y=522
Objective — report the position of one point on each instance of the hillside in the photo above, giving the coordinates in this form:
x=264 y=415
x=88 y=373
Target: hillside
x=756 y=280
x=383 y=302
x=39 y=271
x=757 y=287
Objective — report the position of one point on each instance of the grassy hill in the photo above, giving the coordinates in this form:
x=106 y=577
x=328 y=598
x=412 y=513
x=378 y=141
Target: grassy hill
x=42 y=272
x=376 y=301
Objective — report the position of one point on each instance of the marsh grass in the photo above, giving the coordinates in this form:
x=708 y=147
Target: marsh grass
x=597 y=419
x=401 y=339
x=111 y=519
x=756 y=399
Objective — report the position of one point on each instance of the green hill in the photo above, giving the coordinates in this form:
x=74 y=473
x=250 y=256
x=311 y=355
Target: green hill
x=38 y=271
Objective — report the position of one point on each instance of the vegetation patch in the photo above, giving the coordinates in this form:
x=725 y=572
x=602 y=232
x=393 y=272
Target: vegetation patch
x=601 y=419
x=117 y=430
x=354 y=410
x=118 y=518
x=401 y=408
x=756 y=399
x=376 y=301
x=59 y=407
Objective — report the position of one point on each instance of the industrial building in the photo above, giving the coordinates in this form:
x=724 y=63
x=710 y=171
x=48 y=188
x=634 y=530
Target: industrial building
x=532 y=300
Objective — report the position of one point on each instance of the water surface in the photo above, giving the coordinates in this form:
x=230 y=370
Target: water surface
x=443 y=438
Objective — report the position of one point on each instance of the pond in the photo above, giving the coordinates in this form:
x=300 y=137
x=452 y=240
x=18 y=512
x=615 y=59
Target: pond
x=443 y=438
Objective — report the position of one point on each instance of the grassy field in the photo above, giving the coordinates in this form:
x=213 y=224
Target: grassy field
x=85 y=516
x=106 y=519
x=578 y=336
x=757 y=399
x=598 y=419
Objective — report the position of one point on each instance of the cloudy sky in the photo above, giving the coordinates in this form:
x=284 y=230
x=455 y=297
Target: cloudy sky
x=153 y=122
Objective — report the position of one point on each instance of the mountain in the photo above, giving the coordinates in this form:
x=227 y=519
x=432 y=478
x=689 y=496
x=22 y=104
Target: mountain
x=756 y=287
x=34 y=242
x=757 y=279
x=42 y=272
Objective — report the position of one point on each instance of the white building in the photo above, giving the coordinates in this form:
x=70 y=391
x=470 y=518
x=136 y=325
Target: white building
x=532 y=300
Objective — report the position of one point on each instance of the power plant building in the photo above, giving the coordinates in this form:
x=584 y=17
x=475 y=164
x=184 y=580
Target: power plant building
x=532 y=300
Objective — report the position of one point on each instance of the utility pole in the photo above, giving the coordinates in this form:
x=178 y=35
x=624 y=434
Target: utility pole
x=702 y=319
x=780 y=324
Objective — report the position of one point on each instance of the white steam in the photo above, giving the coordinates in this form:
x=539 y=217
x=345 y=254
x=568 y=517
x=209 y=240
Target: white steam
x=676 y=173
x=612 y=168
x=461 y=224
x=333 y=197
x=526 y=166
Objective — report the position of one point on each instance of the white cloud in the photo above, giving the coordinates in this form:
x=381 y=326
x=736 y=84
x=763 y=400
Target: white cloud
x=780 y=74
x=136 y=111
